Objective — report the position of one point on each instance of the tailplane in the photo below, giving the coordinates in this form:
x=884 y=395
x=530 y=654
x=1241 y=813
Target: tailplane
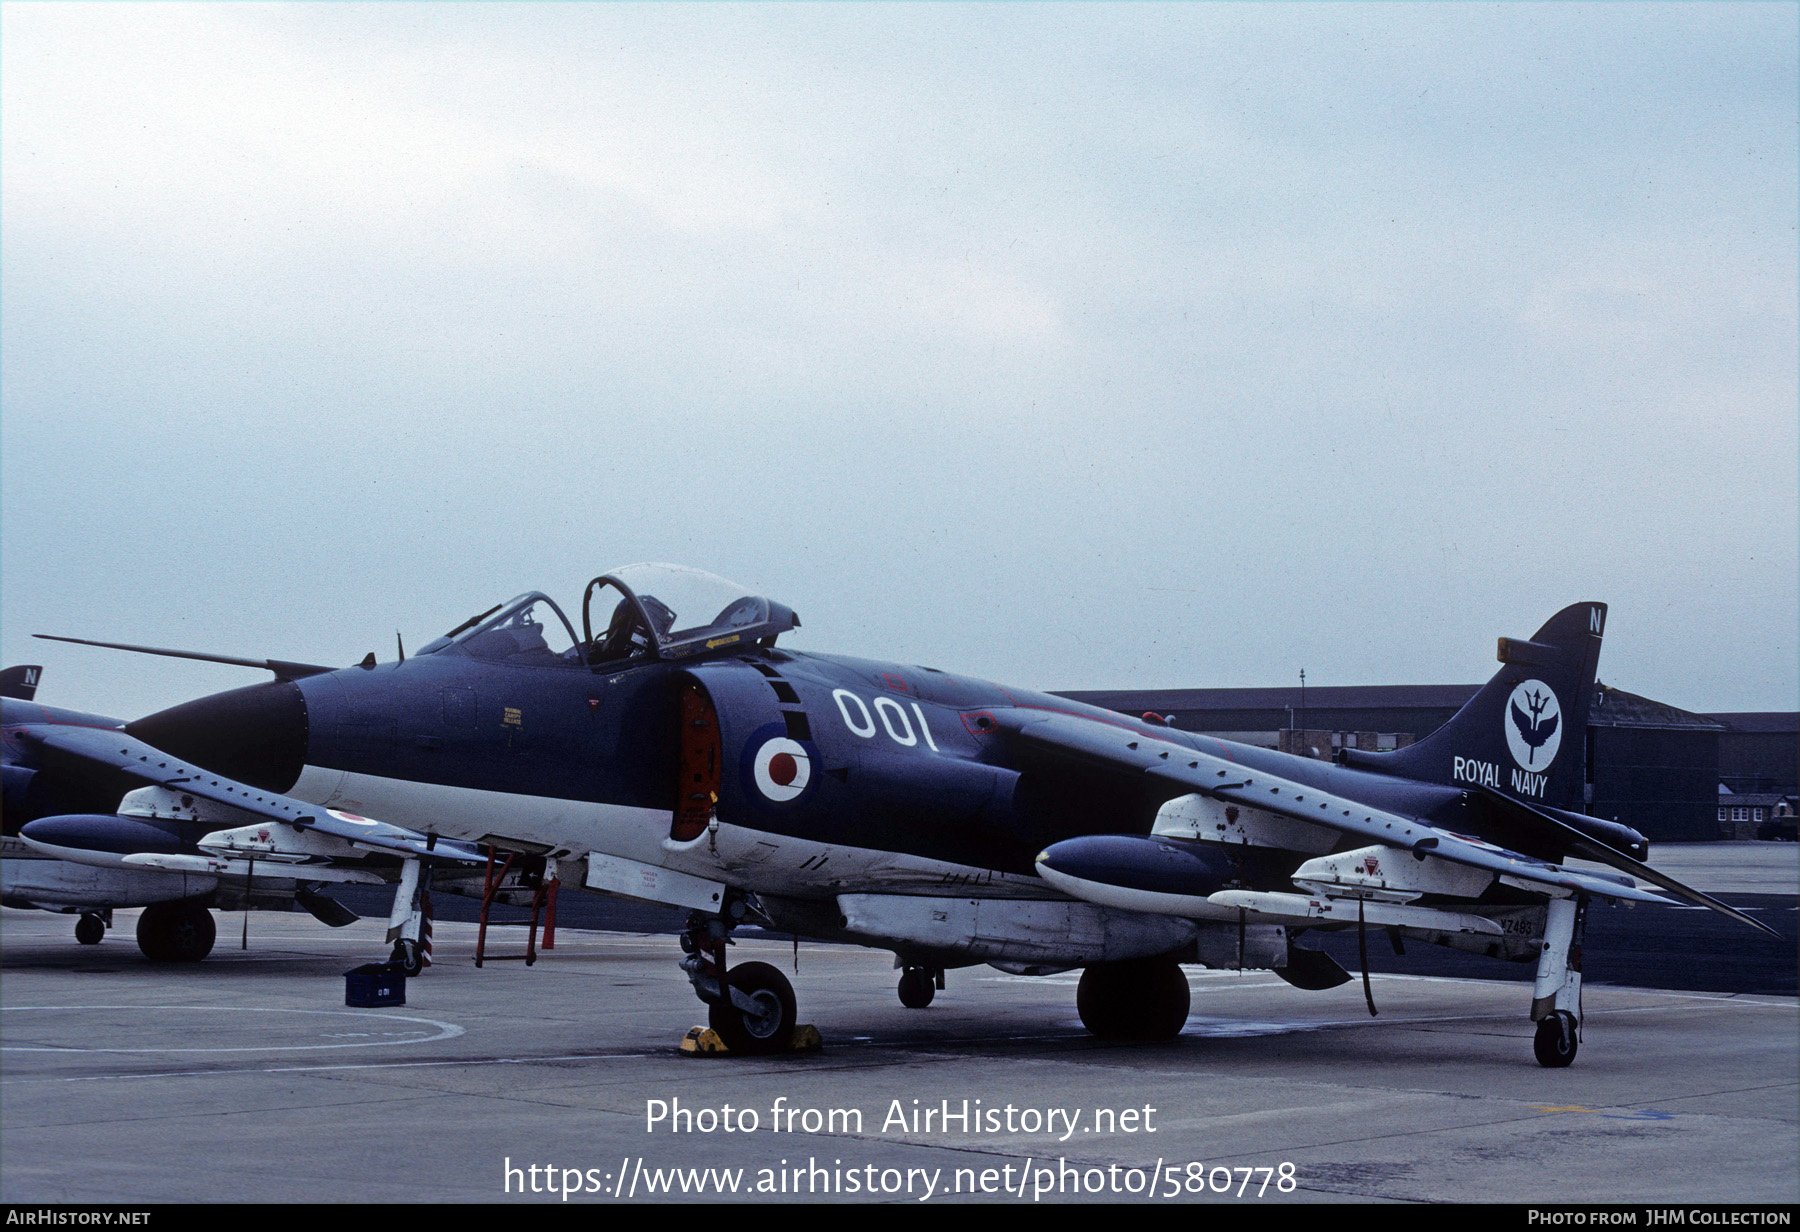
x=1524 y=734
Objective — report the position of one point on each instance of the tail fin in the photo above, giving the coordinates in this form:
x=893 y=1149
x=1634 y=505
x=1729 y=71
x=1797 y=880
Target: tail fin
x=1525 y=733
x=20 y=682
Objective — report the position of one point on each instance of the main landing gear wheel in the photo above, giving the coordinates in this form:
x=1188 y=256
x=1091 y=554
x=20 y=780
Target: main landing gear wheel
x=769 y=1025
x=408 y=956
x=176 y=932
x=1555 y=1043
x=1146 y=999
x=90 y=929
x=917 y=988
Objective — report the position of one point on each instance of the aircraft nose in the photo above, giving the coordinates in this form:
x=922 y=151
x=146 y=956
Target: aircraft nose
x=256 y=735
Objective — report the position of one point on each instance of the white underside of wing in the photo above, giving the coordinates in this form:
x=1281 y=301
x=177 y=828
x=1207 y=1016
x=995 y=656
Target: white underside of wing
x=756 y=860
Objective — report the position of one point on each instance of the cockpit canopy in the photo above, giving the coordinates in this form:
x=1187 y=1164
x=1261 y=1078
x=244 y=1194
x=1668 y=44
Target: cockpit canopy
x=638 y=613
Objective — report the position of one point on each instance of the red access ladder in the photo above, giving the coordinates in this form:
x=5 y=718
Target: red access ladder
x=543 y=902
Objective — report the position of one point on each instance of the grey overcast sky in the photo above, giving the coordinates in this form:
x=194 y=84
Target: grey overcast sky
x=1074 y=346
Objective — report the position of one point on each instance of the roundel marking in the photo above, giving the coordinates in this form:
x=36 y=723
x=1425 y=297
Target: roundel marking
x=1533 y=724
x=781 y=769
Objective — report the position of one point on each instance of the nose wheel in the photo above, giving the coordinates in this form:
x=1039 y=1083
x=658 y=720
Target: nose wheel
x=752 y=1009
x=760 y=1017
x=90 y=929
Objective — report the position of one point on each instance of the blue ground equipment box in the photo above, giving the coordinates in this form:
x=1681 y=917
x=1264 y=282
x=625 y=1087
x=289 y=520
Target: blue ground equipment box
x=374 y=985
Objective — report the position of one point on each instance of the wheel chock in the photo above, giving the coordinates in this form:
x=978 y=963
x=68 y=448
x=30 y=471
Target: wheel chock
x=705 y=1042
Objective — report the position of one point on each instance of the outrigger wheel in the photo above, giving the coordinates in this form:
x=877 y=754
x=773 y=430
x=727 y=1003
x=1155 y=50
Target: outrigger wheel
x=1555 y=1042
x=1145 y=999
x=768 y=1025
x=409 y=956
x=1556 y=993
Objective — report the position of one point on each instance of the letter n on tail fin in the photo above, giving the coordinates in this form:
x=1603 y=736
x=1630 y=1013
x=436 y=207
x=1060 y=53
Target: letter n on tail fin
x=20 y=682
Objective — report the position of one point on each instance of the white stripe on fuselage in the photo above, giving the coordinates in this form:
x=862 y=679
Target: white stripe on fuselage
x=755 y=860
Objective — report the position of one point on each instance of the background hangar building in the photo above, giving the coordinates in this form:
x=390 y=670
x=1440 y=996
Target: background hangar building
x=1671 y=774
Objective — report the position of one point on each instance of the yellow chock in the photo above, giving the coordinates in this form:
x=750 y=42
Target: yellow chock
x=700 y=1041
x=705 y=1042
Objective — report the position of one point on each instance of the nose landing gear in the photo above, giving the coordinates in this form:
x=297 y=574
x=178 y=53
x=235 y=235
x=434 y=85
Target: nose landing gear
x=766 y=1023
x=754 y=1013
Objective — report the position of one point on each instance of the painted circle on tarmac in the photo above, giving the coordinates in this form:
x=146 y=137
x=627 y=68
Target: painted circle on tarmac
x=1533 y=725
x=383 y=1032
x=781 y=769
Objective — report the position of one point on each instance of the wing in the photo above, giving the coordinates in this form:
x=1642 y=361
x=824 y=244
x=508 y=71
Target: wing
x=1587 y=847
x=115 y=750
x=1193 y=771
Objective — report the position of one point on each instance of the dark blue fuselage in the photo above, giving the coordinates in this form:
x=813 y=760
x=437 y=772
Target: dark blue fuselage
x=880 y=756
